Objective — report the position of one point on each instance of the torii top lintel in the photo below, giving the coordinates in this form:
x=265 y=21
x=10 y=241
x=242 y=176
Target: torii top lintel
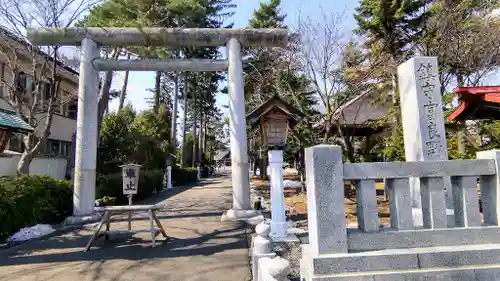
x=477 y=103
x=159 y=36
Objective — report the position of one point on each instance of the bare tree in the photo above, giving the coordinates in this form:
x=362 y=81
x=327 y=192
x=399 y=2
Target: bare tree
x=319 y=55
x=462 y=38
x=34 y=101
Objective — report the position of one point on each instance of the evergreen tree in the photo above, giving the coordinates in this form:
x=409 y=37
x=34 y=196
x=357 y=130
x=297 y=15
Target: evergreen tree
x=268 y=16
x=260 y=71
x=390 y=27
x=392 y=24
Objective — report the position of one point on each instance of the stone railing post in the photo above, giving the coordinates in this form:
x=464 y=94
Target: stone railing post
x=262 y=247
x=325 y=200
x=274 y=269
x=490 y=189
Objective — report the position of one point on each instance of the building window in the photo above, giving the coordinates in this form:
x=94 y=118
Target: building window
x=45 y=91
x=72 y=107
x=16 y=143
x=29 y=84
x=65 y=148
x=21 y=83
x=54 y=147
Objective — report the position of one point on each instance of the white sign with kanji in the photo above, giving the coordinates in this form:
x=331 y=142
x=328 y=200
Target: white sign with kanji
x=130 y=176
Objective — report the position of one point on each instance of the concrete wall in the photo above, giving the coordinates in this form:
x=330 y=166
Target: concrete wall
x=62 y=128
x=54 y=167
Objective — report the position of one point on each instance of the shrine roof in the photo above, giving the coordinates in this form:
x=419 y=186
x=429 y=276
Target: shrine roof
x=477 y=103
x=275 y=102
x=11 y=122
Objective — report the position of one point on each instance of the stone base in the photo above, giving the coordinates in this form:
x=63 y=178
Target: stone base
x=251 y=216
x=290 y=238
x=456 y=263
x=418 y=221
x=81 y=220
x=278 y=228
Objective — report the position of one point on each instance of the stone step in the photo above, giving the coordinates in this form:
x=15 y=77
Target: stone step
x=404 y=259
x=459 y=273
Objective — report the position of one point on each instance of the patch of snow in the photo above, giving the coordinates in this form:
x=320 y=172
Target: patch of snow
x=496 y=12
x=291 y=184
x=294 y=230
x=290 y=171
x=31 y=232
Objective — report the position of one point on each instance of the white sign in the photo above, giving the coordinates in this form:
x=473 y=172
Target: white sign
x=130 y=176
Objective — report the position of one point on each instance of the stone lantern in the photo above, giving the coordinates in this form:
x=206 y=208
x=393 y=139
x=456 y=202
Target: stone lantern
x=275 y=118
x=170 y=161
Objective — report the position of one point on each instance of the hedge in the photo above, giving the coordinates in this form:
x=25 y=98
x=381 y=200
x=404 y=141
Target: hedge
x=29 y=200
x=183 y=176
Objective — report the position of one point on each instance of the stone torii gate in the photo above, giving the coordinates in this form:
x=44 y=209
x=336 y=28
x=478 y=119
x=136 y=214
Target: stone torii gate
x=91 y=39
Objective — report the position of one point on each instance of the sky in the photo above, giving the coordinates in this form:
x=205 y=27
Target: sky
x=139 y=82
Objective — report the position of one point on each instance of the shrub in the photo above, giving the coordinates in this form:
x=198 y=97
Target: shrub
x=106 y=201
x=29 y=200
x=183 y=176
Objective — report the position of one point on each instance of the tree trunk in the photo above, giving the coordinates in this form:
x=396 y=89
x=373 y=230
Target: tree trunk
x=195 y=113
x=157 y=91
x=106 y=81
x=205 y=133
x=174 y=111
x=123 y=92
x=23 y=166
x=348 y=147
x=200 y=138
x=263 y=168
x=103 y=98
x=461 y=141
x=301 y=170
x=327 y=129
x=184 y=119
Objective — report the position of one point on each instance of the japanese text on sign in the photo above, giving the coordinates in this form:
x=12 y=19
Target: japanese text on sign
x=429 y=81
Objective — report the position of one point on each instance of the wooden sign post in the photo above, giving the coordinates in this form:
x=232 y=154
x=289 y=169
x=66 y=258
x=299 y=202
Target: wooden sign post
x=130 y=176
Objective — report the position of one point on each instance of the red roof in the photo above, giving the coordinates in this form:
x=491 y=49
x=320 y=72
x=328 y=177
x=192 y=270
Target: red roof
x=477 y=103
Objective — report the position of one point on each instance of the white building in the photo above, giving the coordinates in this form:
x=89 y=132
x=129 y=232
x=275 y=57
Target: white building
x=64 y=117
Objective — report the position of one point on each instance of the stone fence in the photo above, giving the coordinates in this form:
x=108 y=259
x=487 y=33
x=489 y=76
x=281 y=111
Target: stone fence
x=329 y=236
x=266 y=266
x=328 y=233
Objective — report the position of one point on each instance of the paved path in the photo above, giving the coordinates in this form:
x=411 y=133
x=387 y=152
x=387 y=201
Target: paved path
x=200 y=248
